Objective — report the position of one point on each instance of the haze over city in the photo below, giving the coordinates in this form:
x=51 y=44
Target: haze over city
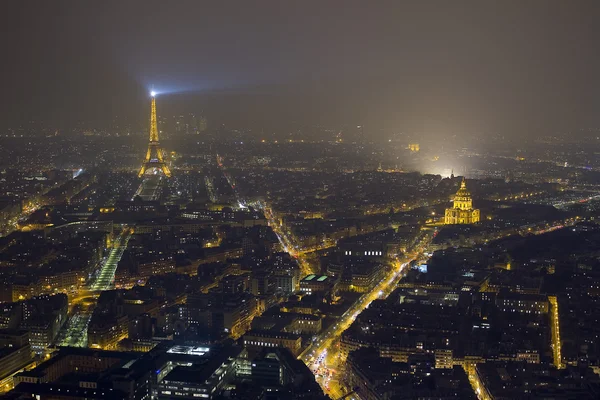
x=319 y=200
x=517 y=68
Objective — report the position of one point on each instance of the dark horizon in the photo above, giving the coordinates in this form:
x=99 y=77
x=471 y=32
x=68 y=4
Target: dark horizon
x=514 y=68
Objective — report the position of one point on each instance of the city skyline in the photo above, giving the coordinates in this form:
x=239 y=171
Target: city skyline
x=300 y=201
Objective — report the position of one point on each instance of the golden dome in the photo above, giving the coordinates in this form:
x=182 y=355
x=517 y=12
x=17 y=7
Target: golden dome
x=463 y=191
x=462 y=211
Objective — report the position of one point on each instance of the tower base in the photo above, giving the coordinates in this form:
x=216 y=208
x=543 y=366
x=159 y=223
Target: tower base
x=155 y=165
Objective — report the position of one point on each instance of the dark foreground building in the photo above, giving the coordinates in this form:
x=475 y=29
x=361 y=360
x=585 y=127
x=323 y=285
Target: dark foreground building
x=169 y=371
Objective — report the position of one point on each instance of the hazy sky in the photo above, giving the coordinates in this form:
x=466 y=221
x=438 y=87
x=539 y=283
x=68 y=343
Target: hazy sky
x=433 y=66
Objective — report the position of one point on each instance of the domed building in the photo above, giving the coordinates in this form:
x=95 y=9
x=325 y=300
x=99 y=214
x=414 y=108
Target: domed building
x=462 y=211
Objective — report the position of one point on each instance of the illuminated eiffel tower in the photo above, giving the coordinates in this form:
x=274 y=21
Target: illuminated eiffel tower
x=154 y=156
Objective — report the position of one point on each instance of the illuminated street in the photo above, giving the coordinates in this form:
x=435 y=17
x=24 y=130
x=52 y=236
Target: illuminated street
x=314 y=356
x=288 y=243
x=323 y=356
x=319 y=356
x=74 y=332
x=13 y=223
x=7 y=382
x=106 y=276
x=284 y=236
x=555 y=329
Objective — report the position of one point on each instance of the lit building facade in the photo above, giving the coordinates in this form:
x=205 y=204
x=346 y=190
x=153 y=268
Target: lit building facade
x=105 y=332
x=462 y=211
x=256 y=340
x=315 y=283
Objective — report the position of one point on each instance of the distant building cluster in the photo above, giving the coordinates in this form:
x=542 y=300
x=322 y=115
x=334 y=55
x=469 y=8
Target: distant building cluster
x=311 y=265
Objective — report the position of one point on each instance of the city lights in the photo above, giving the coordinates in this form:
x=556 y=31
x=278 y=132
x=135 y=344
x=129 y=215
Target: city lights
x=321 y=205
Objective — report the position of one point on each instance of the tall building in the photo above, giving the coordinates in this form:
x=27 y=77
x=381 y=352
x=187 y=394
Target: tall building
x=154 y=155
x=462 y=211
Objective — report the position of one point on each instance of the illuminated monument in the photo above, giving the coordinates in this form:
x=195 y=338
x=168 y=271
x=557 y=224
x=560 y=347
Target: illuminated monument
x=154 y=157
x=462 y=211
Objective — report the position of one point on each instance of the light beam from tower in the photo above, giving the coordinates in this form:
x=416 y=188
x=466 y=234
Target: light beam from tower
x=154 y=156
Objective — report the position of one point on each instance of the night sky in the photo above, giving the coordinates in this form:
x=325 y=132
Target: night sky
x=437 y=67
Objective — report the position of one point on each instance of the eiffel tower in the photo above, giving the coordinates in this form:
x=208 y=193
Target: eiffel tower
x=154 y=156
